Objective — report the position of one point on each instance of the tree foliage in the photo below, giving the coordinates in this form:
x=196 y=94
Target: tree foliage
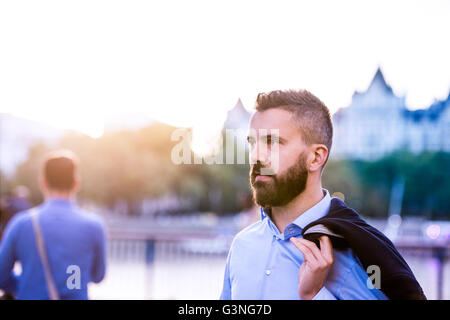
x=367 y=185
x=131 y=166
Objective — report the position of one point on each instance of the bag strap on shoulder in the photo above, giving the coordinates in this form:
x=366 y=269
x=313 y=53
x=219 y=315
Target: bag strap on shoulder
x=51 y=287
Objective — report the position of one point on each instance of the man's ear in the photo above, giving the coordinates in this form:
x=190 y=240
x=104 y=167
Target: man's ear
x=320 y=155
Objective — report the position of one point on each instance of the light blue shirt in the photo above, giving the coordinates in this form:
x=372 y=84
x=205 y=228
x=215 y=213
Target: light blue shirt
x=263 y=264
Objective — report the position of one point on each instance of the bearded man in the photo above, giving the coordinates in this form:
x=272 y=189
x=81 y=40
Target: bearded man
x=290 y=140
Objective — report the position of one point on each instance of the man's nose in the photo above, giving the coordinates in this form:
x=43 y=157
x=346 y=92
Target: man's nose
x=259 y=153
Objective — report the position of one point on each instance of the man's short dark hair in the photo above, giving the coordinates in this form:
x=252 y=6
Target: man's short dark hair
x=313 y=116
x=60 y=170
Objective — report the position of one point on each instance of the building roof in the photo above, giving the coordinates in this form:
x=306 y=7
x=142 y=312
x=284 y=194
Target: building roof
x=432 y=113
x=378 y=80
x=237 y=117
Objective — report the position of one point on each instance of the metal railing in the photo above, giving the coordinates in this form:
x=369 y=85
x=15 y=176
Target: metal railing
x=163 y=266
x=170 y=264
x=439 y=251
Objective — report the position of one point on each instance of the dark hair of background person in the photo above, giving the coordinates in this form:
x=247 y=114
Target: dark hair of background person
x=60 y=170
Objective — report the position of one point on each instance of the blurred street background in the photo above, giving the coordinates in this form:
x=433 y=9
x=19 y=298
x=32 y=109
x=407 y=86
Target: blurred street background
x=112 y=81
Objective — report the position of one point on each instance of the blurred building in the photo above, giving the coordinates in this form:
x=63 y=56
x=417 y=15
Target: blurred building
x=377 y=123
x=238 y=117
x=238 y=121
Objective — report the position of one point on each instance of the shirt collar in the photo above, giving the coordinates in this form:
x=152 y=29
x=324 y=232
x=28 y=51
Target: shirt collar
x=314 y=213
x=319 y=210
x=59 y=202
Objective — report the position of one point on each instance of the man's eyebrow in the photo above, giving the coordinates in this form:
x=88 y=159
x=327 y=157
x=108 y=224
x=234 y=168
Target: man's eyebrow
x=272 y=136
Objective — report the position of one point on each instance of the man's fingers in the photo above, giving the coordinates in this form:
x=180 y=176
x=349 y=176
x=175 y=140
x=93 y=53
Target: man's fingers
x=314 y=249
x=326 y=248
x=307 y=253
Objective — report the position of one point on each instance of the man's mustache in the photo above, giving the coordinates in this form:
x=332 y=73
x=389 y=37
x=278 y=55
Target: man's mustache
x=256 y=170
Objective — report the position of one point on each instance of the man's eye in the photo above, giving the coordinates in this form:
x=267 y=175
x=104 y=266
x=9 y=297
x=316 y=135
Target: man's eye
x=273 y=140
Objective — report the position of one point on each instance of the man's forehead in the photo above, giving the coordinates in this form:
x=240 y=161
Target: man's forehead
x=273 y=119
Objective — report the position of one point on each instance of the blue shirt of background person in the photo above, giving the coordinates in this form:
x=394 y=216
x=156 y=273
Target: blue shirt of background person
x=72 y=237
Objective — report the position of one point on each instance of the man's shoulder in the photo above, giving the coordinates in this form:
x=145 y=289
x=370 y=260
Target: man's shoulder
x=91 y=219
x=18 y=225
x=20 y=218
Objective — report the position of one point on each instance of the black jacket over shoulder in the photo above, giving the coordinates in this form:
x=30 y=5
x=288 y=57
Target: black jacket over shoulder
x=372 y=247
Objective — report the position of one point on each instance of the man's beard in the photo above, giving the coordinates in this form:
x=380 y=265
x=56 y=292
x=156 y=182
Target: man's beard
x=280 y=189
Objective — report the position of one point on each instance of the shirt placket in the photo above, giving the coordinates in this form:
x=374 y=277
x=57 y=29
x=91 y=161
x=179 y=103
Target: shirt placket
x=270 y=267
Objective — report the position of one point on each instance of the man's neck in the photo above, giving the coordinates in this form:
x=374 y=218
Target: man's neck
x=59 y=195
x=282 y=216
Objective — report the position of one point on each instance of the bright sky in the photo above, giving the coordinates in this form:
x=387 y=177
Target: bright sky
x=71 y=63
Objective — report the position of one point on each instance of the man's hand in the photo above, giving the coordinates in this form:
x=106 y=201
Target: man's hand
x=315 y=267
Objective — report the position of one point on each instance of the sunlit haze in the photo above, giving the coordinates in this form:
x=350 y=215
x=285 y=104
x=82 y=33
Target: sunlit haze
x=73 y=63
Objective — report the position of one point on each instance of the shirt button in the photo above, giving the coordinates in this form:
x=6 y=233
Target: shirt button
x=268 y=272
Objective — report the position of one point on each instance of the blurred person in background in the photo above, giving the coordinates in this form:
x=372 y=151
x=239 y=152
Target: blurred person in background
x=290 y=139
x=3 y=215
x=16 y=201
x=60 y=247
x=19 y=201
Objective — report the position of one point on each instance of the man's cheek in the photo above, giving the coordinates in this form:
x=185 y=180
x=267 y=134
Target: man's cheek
x=274 y=160
x=281 y=162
